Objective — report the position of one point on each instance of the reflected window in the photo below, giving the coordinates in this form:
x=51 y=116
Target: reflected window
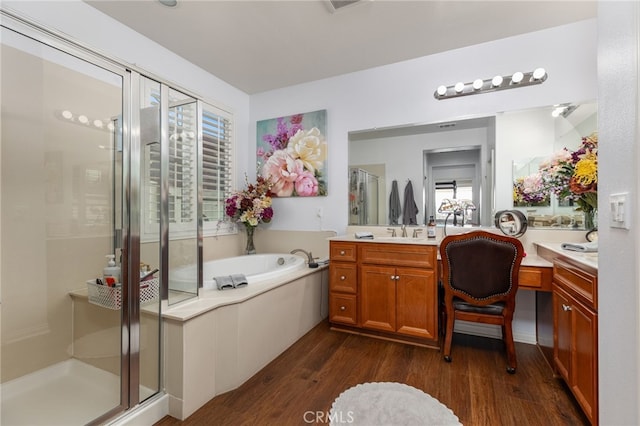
x=457 y=189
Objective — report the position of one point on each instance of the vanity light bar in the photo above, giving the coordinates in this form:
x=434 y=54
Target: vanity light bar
x=518 y=79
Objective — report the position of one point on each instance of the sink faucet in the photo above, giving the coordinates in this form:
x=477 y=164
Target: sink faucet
x=404 y=230
x=393 y=231
x=310 y=259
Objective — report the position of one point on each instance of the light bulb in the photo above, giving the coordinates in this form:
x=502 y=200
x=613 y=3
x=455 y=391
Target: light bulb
x=459 y=87
x=67 y=114
x=539 y=73
x=441 y=90
x=477 y=84
x=83 y=119
x=98 y=123
x=517 y=77
x=496 y=81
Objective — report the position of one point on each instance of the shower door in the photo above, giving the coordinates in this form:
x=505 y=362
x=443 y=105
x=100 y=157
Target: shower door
x=73 y=350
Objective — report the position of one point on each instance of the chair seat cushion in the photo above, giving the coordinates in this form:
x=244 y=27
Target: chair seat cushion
x=492 y=309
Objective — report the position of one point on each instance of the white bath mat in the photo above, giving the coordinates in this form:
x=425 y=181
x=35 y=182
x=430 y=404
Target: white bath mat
x=387 y=404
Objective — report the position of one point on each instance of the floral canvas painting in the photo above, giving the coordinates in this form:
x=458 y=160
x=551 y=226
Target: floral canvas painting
x=292 y=154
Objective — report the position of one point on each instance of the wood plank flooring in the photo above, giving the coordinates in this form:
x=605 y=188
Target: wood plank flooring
x=475 y=385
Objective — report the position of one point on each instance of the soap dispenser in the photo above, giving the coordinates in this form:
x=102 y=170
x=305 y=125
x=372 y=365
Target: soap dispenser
x=112 y=270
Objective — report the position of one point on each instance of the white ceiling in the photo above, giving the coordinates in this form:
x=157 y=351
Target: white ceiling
x=266 y=44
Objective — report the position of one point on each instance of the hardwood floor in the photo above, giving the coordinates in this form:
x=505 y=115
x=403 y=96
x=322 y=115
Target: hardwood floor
x=475 y=385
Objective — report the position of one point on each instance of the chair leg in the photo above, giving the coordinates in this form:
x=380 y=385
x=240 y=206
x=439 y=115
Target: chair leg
x=448 y=335
x=510 y=346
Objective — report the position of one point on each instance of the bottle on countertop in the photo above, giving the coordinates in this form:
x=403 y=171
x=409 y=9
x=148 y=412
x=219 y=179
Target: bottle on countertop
x=111 y=270
x=431 y=228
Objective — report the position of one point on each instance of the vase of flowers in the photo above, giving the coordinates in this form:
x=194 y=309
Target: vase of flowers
x=573 y=176
x=251 y=206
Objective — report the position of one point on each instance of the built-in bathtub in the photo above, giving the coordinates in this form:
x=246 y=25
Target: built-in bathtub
x=258 y=268
x=215 y=342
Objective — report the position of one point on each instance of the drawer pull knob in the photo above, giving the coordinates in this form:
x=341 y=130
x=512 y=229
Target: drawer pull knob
x=566 y=308
x=343 y=308
x=342 y=277
x=342 y=253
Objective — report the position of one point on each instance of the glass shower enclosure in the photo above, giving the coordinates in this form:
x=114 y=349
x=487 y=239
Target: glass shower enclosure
x=74 y=349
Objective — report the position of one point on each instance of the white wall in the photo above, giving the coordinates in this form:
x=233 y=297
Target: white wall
x=402 y=93
x=618 y=158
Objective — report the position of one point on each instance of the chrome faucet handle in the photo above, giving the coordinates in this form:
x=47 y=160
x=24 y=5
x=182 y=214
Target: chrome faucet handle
x=416 y=232
x=393 y=231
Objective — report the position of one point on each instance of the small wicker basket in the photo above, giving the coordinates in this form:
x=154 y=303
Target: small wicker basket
x=111 y=297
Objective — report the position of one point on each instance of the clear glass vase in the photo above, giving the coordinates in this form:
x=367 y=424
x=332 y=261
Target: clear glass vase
x=251 y=248
x=590 y=219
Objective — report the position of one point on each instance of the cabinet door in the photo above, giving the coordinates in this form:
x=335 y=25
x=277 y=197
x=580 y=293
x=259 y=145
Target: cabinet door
x=378 y=297
x=584 y=362
x=416 y=302
x=561 y=332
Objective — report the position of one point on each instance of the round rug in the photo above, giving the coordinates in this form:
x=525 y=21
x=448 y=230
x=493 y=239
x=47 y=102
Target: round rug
x=385 y=403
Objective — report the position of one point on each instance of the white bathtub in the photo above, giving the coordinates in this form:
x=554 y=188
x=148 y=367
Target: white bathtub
x=256 y=267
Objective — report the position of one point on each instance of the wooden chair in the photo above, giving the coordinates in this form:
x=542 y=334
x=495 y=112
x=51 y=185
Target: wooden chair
x=480 y=280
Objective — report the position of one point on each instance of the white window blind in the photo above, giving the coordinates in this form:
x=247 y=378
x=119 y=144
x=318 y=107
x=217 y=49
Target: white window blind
x=216 y=164
x=183 y=163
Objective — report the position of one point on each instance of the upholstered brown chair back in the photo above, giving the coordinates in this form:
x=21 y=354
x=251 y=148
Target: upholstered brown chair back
x=480 y=265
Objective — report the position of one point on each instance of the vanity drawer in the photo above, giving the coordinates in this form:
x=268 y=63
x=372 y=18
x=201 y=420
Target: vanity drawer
x=535 y=278
x=343 y=277
x=416 y=255
x=343 y=309
x=577 y=282
x=341 y=251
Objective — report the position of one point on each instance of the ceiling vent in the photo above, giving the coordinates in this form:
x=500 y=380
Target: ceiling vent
x=335 y=5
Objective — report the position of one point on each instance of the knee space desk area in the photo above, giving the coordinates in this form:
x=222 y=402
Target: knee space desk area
x=388 y=288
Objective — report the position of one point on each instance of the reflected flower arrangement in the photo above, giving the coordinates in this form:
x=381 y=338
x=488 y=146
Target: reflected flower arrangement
x=571 y=175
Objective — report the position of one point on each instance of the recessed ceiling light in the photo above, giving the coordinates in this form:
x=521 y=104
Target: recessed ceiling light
x=169 y=3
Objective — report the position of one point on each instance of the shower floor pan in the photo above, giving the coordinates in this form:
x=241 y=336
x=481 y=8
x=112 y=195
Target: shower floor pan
x=66 y=394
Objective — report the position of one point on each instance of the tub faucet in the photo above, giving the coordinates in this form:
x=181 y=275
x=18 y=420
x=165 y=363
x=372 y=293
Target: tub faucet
x=311 y=261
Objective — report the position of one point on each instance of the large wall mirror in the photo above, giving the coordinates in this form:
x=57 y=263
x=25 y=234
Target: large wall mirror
x=475 y=159
x=571 y=124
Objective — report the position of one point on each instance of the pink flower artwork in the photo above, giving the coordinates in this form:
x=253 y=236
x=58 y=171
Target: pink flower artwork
x=292 y=153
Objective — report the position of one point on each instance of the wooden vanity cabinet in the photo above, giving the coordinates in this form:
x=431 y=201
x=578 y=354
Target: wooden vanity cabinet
x=396 y=290
x=575 y=332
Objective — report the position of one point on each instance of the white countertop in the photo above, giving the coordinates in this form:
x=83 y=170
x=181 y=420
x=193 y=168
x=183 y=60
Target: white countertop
x=389 y=240
x=587 y=259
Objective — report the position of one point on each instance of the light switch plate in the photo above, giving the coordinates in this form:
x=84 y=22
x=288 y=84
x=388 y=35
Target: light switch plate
x=620 y=209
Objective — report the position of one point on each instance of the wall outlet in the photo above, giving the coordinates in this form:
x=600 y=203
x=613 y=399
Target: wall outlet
x=620 y=209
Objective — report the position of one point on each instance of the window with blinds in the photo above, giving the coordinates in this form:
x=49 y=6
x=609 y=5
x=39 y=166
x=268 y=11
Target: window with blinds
x=216 y=165
x=183 y=167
